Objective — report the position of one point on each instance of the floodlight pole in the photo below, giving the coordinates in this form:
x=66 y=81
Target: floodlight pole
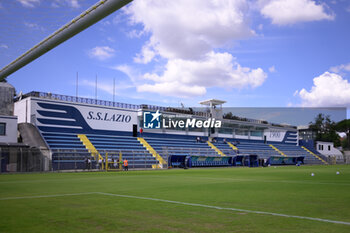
x=89 y=17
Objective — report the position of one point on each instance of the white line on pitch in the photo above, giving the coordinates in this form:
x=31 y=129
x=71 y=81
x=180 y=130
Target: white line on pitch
x=166 y=176
x=225 y=208
x=46 y=196
x=181 y=203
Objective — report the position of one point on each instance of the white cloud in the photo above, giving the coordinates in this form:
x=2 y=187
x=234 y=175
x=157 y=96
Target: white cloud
x=31 y=25
x=175 y=88
x=70 y=3
x=340 y=68
x=284 y=12
x=135 y=33
x=215 y=70
x=272 y=69
x=105 y=22
x=187 y=78
x=101 y=86
x=29 y=3
x=3 y=46
x=101 y=52
x=147 y=54
x=185 y=34
x=328 y=90
x=73 y=3
x=118 y=18
x=128 y=71
x=34 y=26
x=296 y=93
x=190 y=29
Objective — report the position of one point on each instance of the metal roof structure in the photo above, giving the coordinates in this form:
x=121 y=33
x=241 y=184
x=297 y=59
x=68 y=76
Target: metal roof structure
x=212 y=102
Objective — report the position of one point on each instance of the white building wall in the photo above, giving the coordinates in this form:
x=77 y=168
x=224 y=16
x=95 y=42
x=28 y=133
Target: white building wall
x=27 y=111
x=23 y=110
x=274 y=135
x=327 y=149
x=10 y=129
x=222 y=135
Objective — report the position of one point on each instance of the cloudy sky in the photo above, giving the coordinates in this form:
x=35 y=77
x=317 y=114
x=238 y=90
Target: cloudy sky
x=251 y=53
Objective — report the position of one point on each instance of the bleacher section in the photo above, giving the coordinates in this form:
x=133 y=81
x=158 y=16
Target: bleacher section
x=181 y=146
x=295 y=151
x=61 y=141
x=131 y=149
x=313 y=150
x=216 y=149
x=264 y=151
x=225 y=148
x=115 y=143
x=162 y=162
x=318 y=156
x=69 y=152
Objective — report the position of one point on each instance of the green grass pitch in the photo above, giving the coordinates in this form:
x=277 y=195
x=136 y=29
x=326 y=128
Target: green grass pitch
x=281 y=190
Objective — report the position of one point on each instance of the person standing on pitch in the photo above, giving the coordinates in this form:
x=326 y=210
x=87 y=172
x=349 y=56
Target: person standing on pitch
x=86 y=163
x=126 y=164
x=115 y=163
x=100 y=163
x=89 y=163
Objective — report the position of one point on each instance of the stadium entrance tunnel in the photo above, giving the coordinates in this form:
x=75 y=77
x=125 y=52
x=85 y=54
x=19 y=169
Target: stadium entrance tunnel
x=246 y=160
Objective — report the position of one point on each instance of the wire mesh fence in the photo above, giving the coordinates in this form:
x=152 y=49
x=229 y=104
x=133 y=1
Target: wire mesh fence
x=15 y=159
x=22 y=159
x=104 y=160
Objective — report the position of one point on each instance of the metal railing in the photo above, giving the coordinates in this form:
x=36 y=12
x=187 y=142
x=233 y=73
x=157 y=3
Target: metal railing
x=110 y=103
x=81 y=100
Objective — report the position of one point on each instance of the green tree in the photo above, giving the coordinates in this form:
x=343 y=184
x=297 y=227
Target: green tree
x=325 y=129
x=228 y=115
x=344 y=127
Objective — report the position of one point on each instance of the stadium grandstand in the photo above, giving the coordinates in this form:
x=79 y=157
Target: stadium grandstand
x=73 y=129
